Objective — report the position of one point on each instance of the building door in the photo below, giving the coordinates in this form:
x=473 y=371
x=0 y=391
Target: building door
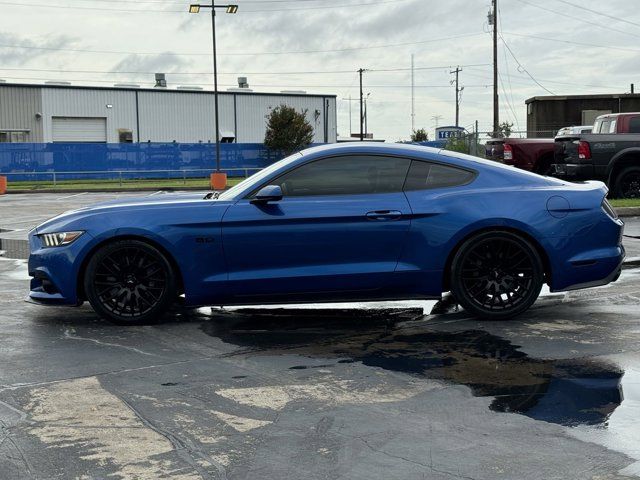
x=79 y=130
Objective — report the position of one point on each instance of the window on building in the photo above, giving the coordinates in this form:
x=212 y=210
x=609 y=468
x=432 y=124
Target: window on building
x=12 y=136
x=346 y=175
x=125 y=136
x=426 y=176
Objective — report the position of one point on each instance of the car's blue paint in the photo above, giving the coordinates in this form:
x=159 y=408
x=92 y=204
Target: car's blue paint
x=359 y=247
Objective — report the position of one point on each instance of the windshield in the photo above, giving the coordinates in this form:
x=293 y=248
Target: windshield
x=256 y=177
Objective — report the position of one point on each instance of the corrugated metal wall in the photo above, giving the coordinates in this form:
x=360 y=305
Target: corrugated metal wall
x=117 y=106
x=163 y=115
x=18 y=108
x=166 y=116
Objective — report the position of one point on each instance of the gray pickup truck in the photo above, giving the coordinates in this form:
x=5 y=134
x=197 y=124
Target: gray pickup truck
x=610 y=153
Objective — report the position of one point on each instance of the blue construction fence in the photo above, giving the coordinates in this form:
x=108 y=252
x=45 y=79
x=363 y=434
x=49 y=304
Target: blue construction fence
x=82 y=161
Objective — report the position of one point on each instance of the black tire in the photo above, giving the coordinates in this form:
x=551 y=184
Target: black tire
x=496 y=275
x=130 y=282
x=627 y=183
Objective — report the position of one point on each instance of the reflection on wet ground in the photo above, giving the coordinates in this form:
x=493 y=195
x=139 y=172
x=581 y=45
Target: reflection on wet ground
x=567 y=392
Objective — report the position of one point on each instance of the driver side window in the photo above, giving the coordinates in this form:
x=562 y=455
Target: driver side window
x=345 y=175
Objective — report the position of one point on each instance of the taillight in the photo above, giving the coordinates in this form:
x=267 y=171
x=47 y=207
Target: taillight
x=584 y=151
x=508 y=152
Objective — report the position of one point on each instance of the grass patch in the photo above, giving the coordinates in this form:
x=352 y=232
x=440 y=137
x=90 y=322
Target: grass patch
x=625 y=202
x=88 y=185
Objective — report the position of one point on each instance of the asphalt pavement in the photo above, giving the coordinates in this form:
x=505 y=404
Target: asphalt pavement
x=360 y=391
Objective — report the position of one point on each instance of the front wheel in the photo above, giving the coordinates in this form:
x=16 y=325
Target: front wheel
x=496 y=275
x=627 y=183
x=129 y=282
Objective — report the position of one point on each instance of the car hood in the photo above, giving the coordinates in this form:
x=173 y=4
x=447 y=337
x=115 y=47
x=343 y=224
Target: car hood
x=111 y=208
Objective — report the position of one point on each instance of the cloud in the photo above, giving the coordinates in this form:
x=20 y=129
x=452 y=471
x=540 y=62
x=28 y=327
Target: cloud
x=32 y=48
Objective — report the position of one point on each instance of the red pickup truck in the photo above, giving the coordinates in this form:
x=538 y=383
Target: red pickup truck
x=533 y=154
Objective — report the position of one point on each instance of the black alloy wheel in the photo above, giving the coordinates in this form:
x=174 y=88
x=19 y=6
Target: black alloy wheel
x=130 y=282
x=628 y=183
x=496 y=275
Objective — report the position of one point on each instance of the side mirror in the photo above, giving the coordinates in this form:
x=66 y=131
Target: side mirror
x=270 y=193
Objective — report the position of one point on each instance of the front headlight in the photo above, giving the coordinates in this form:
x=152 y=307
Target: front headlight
x=59 y=239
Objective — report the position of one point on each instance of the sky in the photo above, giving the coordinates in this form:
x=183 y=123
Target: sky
x=546 y=47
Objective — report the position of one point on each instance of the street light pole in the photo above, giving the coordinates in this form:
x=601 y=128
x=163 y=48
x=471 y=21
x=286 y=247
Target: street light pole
x=215 y=84
x=218 y=179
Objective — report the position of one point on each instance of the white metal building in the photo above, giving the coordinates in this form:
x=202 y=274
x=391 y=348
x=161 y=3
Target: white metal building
x=66 y=113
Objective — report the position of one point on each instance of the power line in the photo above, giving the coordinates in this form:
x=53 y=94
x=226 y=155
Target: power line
x=521 y=67
x=324 y=85
x=573 y=84
x=581 y=7
x=291 y=52
x=570 y=42
x=306 y=72
x=184 y=11
x=572 y=17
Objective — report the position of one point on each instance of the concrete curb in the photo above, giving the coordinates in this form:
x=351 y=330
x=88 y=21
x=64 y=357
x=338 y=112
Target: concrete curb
x=628 y=211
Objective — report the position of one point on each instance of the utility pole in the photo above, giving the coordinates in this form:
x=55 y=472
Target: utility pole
x=361 y=71
x=436 y=119
x=349 y=99
x=413 y=97
x=458 y=91
x=493 y=19
x=366 y=128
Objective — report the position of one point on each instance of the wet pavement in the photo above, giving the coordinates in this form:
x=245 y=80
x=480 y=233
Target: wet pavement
x=364 y=391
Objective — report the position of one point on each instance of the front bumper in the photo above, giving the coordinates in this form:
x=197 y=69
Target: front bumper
x=573 y=170
x=55 y=271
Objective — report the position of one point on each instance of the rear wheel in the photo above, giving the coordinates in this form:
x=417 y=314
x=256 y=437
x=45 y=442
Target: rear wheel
x=496 y=275
x=627 y=183
x=130 y=282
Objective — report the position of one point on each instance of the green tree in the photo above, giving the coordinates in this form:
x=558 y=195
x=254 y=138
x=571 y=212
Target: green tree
x=288 y=130
x=457 y=144
x=505 y=129
x=420 y=135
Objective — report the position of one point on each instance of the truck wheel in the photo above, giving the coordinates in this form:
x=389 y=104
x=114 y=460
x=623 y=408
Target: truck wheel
x=627 y=183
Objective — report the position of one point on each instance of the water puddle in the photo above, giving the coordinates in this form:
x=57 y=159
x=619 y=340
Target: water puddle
x=566 y=392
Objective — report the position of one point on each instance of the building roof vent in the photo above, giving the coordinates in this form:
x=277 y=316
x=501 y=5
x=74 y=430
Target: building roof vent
x=189 y=87
x=56 y=82
x=236 y=89
x=161 y=80
x=2 y=80
x=294 y=92
x=126 y=85
x=242 y=82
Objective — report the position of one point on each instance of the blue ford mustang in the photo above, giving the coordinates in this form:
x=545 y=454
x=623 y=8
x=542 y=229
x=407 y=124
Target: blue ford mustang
x=342 y=222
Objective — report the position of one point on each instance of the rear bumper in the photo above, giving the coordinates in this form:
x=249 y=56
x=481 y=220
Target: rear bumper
x=591 y=258
x=614 y=264
x=583 y=171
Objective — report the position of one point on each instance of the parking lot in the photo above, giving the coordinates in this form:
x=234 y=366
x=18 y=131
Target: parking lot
x=373 y=391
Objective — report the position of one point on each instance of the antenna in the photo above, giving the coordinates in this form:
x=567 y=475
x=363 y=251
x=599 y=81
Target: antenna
x=413 y=97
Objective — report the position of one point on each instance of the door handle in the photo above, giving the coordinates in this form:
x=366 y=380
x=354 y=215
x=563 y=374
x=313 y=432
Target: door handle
x=384 y=215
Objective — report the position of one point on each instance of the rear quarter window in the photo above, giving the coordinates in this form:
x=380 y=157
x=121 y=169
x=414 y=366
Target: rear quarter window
x=427 y=176
x=634 y=125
